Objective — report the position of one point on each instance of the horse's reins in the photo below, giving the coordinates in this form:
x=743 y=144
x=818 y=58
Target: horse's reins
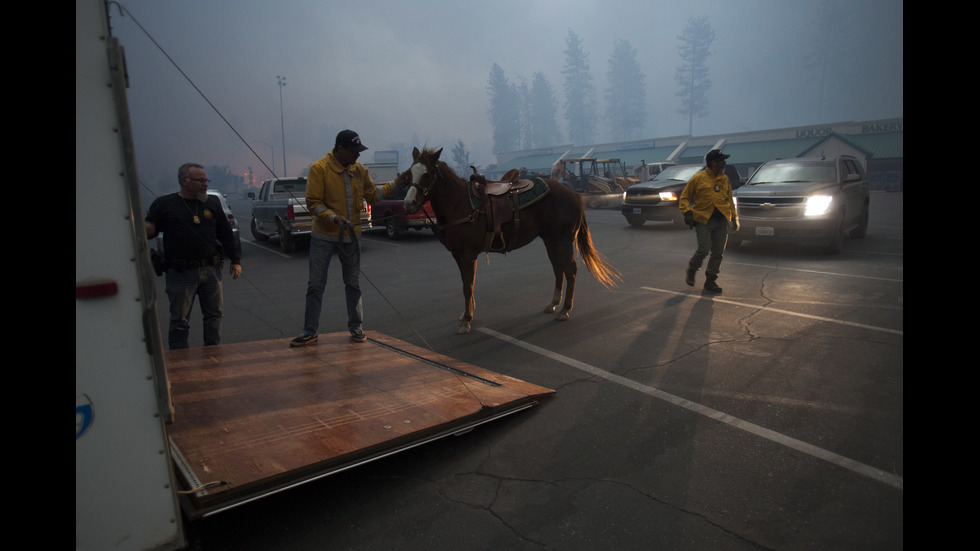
x=425 y=197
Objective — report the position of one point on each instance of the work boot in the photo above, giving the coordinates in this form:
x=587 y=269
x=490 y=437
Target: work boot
x=689 y=278
x=710 y=285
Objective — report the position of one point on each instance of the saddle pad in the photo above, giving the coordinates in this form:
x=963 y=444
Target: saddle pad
x=525 y=198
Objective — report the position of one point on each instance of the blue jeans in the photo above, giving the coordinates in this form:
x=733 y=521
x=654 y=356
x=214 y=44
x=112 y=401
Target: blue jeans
x=182 y=288
x=712 y=238
x=321 y=251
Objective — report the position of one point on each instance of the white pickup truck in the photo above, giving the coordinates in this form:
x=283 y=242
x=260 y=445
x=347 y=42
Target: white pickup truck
x=280 y=209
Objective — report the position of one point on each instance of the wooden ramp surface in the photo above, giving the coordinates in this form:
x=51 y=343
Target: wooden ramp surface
x=256 y=418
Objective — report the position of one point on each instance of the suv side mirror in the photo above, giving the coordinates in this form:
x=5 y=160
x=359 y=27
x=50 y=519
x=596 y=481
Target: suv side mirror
x=251 y=195
x=852 y=178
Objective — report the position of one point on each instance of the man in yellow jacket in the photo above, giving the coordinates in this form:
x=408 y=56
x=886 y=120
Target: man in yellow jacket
x=335 y=189
x=708 y=206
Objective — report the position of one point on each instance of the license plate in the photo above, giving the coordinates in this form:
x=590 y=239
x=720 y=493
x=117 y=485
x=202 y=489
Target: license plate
x=637 y=211
x=764 y=230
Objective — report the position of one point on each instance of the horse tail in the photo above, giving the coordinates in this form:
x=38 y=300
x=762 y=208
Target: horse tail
x=598 y=266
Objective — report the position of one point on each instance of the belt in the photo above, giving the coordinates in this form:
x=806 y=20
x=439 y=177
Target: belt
x=184 y=265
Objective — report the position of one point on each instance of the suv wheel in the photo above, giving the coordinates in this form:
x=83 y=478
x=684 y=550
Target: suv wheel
x=862 y=228
x=391 y=228
x=837 y=237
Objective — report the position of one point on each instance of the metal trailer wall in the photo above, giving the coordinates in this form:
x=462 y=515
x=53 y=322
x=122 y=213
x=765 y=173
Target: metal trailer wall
x=124 y=483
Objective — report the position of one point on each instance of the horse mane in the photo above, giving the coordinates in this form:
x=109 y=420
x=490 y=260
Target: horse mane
x=433 y=156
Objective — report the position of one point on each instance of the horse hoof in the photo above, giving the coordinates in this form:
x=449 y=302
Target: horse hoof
x=549 y=309
x=464 y=328
x=562 y=316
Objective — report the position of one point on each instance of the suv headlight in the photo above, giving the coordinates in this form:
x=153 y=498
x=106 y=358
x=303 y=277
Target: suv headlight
x=817 y=205
x=668 y=196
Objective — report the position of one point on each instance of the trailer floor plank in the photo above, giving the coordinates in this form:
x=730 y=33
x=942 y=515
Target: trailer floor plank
x=255 y=418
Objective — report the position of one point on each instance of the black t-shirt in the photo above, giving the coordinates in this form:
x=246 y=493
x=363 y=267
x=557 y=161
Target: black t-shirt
x=193 y=230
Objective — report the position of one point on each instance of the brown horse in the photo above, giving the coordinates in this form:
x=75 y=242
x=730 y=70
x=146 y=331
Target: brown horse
x=558 y=218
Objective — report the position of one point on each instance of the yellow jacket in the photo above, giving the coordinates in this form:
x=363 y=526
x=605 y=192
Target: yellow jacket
x=699 y=195
x=326 y=193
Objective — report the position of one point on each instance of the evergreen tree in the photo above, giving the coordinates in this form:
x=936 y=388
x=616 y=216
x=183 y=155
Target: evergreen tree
x=524 y=108
x=692 y=74
x=829 y=65
x=542 y=110
x=625 y=92
x=579 y=92
x=461 y=159
x=504 y=111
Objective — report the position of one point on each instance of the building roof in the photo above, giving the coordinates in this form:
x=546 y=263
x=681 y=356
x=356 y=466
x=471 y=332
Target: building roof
x=881 y=145
x=774 y=144
x=636 y=157
x=762 y=151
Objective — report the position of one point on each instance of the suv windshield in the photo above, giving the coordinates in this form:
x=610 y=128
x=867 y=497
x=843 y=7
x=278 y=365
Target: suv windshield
x=684 y=173
x=795 y=172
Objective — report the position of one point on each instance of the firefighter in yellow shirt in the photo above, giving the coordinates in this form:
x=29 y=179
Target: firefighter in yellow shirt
x=708 y=208
x=336 y=186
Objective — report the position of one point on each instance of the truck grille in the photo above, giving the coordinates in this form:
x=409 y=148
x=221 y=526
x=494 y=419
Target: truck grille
x=771 y=207
x=642 y=196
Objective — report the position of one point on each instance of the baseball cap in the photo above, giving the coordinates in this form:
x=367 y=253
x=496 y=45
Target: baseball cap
x=715 y=155
x=348 y=139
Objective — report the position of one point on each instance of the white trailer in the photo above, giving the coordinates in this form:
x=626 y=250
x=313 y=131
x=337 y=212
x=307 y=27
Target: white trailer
x=124 y=480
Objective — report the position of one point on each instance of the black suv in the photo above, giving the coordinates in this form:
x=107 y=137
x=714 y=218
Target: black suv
x=657 y=199
x=807 y=201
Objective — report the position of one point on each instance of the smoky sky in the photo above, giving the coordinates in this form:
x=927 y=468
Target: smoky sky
x=415 y=73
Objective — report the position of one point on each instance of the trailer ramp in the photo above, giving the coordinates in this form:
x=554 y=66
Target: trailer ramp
x=256 y=418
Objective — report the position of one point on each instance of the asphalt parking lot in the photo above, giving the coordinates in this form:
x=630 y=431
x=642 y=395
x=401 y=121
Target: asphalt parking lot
x=767 y=417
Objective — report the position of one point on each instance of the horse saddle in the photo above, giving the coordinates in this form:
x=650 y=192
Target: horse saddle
x=501 y=201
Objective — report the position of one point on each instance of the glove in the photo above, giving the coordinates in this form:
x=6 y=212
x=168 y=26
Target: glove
x=735 y=224
x=689 y=219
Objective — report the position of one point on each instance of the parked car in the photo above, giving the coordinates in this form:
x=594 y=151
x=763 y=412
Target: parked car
x=806 y=201
x=389 y=213
x=231 y=216
x=657 y=199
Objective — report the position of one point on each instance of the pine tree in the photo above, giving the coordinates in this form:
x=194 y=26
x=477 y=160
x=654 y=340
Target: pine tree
x=692 y=74
x=461 y=159
x=625 y=92
x=543 y=108
x=579 y=92
x=504 y=111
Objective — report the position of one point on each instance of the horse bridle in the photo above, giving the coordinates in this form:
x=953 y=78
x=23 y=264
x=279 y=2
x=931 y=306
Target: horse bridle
x=425 y=191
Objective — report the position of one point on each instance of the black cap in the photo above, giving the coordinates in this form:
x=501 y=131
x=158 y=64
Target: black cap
x=348 y=139
x=715 y=155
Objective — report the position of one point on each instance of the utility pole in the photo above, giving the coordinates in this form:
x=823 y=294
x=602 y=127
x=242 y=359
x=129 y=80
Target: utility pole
x=282 y=82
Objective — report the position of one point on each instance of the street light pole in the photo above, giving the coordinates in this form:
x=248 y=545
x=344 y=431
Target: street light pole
x=273 y=150
x=282 y=82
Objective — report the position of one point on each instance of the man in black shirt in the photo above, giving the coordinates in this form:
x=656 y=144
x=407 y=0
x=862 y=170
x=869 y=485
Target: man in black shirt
x=196 y=234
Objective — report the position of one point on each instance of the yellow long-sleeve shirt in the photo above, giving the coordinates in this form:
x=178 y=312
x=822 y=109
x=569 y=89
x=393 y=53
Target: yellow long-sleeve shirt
x=699 y=195
x=326 y=193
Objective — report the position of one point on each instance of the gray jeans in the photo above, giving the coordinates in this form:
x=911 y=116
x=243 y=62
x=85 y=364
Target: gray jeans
x=712 y=238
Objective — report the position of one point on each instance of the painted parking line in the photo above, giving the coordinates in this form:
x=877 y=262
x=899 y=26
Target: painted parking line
x=778 y=311
x=773 y=436
x=818 y=272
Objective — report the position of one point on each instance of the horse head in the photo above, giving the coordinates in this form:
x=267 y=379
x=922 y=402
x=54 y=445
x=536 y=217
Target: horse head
x=424 y=174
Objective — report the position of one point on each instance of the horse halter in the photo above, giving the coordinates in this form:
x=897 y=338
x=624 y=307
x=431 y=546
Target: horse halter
x=425 y=190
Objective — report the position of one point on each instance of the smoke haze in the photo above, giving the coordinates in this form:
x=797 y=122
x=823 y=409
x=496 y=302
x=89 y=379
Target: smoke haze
x=406 y=74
